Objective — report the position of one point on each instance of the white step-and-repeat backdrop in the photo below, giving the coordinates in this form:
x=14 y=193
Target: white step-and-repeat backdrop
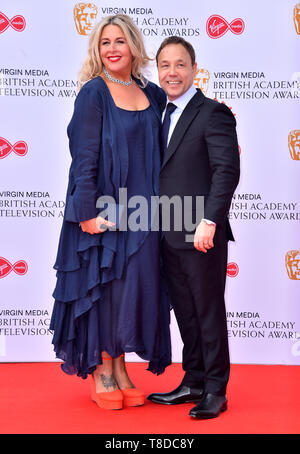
x=248 y=57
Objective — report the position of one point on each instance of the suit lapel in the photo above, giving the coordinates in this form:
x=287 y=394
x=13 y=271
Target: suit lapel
x=187 y=116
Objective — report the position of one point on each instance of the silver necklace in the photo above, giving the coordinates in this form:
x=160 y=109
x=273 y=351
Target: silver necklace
x=117 y=80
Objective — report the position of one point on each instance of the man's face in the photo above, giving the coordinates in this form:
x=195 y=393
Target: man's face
x=175 y=70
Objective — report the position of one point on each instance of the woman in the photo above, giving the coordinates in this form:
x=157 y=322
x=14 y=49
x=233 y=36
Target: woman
x=109 y=298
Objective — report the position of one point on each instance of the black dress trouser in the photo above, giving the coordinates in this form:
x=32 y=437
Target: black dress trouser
x=196 y=284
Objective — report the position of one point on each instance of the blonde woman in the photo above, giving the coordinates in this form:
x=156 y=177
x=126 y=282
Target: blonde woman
x=109 y=296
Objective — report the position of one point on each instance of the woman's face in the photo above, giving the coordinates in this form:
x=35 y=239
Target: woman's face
x=114 y=50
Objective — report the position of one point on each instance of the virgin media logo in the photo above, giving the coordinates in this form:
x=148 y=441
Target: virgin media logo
x=20 y=148
x=20 y=267
x=223 y=102
x=217 y=26
x=232 y=269
x=18 y=23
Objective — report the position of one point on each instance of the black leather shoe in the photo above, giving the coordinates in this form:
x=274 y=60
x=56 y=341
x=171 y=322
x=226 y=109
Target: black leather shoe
x=209 y=406
x=180 y=395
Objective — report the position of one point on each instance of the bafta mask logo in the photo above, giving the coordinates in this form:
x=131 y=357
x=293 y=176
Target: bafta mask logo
x=85 y=15
x=292 y=264
x=201 y=79
x=297 y=18
x=294 y=144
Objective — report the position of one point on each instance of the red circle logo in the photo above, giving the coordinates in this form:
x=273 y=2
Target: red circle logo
x=232 y=269
x=20 y=148
x=18 y=23
x=217 y=26
x=20 y=267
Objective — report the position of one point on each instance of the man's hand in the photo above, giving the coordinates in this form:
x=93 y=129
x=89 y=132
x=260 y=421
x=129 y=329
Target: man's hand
x=203 y=238
x=96 y=225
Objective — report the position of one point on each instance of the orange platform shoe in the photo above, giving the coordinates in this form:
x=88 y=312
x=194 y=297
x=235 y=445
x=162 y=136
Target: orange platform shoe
x=133 y=397
x=112 y=400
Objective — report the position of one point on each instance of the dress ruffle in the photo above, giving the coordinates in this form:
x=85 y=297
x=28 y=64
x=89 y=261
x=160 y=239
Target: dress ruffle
x=79 y=290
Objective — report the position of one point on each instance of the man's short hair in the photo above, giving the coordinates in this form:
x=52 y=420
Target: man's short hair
x=177 y=40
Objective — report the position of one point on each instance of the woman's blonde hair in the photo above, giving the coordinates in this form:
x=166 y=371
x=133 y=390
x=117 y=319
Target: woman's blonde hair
x=92 y=66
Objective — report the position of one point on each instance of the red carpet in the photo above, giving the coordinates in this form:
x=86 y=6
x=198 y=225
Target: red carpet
x=38 y=398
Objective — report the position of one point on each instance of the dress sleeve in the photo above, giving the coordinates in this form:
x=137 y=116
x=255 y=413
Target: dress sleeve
x=84 y=131
x=159 y=95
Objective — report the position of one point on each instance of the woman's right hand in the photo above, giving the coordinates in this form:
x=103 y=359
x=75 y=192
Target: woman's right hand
x=94 y=225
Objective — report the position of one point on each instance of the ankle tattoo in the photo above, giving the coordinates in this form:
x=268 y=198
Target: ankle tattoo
x=108 y=381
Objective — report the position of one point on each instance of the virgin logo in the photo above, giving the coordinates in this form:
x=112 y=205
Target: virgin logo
x=18 y=23
x=217 y=26
x=232 y=269
x=20 y=148
x=223 y=102
x=20 y=267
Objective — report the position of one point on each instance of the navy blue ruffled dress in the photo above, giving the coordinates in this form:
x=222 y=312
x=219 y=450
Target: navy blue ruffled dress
x=110 y=294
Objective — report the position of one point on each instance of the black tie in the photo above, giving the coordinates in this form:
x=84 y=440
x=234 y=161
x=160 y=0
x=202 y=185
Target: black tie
x=166 y=126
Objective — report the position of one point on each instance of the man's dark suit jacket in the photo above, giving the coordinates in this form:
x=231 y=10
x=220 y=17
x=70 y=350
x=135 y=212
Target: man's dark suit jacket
x=202 y=159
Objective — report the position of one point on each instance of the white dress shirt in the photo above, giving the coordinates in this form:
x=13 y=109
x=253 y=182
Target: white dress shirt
x=181 y=104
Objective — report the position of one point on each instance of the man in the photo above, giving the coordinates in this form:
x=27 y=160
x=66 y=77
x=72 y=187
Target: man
x=201 y=159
